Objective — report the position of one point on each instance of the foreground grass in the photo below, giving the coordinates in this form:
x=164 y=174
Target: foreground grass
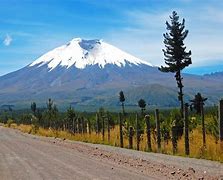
x=211 y=151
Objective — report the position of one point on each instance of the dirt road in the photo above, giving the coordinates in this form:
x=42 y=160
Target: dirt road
x=24 y=156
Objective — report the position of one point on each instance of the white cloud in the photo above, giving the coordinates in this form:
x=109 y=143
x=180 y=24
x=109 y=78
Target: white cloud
x=144 y=35
x=8 y=40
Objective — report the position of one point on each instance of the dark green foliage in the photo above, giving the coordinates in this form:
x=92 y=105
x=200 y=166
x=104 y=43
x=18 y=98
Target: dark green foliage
x=148 y=132
x=51 y=115
x=33 y=108
x=100 y=120
x=176 y=56
x=71 y=120
x=174 y=138
x=4 y=117
x=101 y=116
x=112 y=118
x=39 y=116
x=186 y=129
x=140 y=126
x=171 y=122
x=122 y=100
x=212 y=123
x=26 y=119
x=165 y=125
x=177 y=125
x=121 y=97
x=158 y=132
x=177 y=122
x=165 y=132
x=49 y=104
x=197 y=102
x=142 y=105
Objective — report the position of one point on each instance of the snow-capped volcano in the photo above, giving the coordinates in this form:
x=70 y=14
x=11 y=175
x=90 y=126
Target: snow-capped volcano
x=91 y=73
x=82 y=53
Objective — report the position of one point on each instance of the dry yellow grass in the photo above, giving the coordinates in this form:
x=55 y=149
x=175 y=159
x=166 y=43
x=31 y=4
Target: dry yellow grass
x=211 y=151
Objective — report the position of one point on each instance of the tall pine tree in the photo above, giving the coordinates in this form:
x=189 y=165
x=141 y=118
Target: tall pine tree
x=176 y=56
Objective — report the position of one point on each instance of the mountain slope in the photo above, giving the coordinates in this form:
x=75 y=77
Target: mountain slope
x=92 y=72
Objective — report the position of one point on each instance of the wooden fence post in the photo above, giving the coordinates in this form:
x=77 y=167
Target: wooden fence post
x=89 y=126
x=186 y=130
x=137 y=132
x=103 y=128
x=85 y=125
x=82 y=125
x=97 y=123
x=174 y=138
x=74 y=125
x=120 y=129
x=131 y=133
x=79 y=125
x=108 y=118
x=148 y=132
x=220 y=116
x=158 y=133
x=203 y=125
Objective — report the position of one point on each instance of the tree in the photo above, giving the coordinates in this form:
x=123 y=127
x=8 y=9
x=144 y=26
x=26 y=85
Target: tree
x=122 y=100
x=26 y=119
x=176 y=56
x=212 y=123
x=177 y=125
x=142 y=105
x=49 y=105
x=197 y=103
x=71 y=115
x=51 y=110
x=39 y=116
x=33 y=108
x=55 y=115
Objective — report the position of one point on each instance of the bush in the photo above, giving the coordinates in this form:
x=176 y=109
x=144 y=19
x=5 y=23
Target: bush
x=10 y=122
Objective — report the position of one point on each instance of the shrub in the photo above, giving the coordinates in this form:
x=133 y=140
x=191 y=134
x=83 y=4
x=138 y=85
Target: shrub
x=10 y=122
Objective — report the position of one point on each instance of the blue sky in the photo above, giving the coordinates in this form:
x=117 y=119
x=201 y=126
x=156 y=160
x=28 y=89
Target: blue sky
x=30 y=28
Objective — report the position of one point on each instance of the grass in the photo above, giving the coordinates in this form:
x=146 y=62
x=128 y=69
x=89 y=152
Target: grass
x=212 y=150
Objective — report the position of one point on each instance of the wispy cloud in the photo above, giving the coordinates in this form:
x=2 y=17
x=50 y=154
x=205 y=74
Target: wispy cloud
x=144 y=35
x=22 y=34
x=213 y=14
x=23 y=22
x=8 y=40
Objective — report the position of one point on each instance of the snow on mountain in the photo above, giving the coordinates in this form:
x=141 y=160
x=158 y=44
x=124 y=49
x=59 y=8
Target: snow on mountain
x=81 y=53
x=82 y=73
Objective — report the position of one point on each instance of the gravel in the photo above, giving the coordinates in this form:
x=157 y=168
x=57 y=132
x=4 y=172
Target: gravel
x=37 y=157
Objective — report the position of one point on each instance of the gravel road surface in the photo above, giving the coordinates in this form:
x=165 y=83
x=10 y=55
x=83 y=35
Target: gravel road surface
x=25 y=156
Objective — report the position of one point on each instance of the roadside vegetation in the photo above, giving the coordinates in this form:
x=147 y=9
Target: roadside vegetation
x=192 y=130
x=93 y=131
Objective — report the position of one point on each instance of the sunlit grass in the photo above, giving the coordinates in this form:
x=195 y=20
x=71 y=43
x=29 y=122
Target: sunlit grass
x=211 y=151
